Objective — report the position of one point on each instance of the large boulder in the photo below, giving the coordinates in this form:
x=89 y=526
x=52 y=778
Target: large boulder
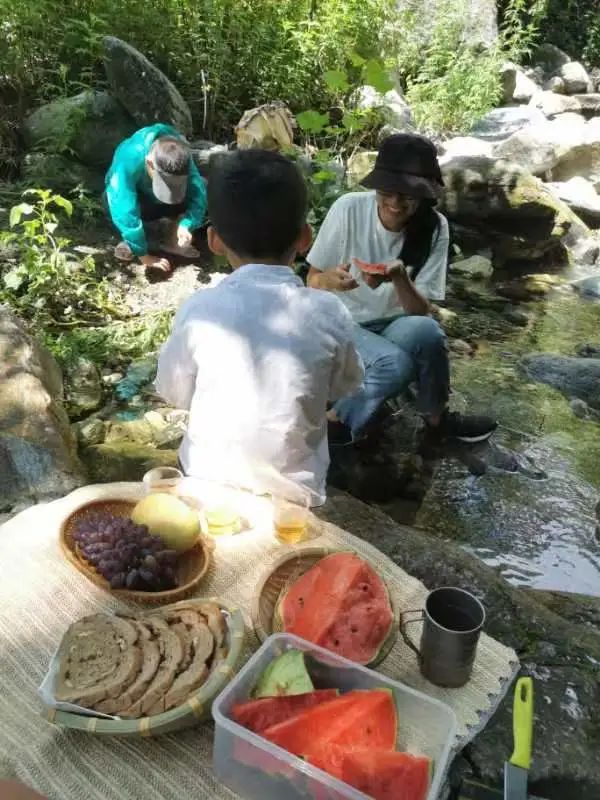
x=392 y=107
x=550 y=58
x=571 y=375
x=38 y=457
x=89 y=126
x=525 y=88
x=478 y=19
x=503 y=122
x=508 y=80
x=589 y=103
x=582 y=160
x=575 y=77
x=551 y=104
x=465 y=146
x=539 y=148
x=61 y=174
x=580 y=195
x=522 y=220
x=147 y=94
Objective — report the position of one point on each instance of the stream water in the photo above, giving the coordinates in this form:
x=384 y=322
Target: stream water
x=539 y=532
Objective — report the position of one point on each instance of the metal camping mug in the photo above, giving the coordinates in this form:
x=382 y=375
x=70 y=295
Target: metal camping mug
x=452 y=621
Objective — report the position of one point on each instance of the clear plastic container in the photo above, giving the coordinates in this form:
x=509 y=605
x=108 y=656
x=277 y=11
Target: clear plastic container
x=259 y=770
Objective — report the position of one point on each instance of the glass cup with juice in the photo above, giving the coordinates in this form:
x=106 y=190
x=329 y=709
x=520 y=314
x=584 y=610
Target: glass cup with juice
x=290 y=516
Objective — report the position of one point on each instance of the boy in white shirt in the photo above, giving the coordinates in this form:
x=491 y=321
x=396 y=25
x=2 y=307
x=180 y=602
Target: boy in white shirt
x=257 y=359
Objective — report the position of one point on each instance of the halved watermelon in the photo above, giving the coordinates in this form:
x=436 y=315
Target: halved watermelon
x=258 y=715
x=358 y=719
x=385 y=775
x=370 y=268
x=341 y=604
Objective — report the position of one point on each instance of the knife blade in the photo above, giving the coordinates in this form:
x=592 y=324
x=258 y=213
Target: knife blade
x=516 y=770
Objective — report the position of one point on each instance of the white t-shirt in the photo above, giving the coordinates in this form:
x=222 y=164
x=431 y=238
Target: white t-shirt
x=352 y=229
x=255 y=360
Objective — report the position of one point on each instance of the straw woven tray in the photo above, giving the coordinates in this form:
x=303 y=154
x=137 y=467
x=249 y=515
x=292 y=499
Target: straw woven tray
x=190 y=569
x=280 y=576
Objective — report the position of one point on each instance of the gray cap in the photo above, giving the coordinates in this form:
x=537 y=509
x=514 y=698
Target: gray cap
x=168 y=188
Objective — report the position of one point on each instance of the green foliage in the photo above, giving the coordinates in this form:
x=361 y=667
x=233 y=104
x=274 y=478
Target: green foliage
x=223 y=55
x=574 y=26
x=48 y=285
x=450 y=83
x=114 y=344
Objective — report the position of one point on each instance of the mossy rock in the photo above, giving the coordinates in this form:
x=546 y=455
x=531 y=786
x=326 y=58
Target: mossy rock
x=522 y=219
x=124 y=461
x=88 y=126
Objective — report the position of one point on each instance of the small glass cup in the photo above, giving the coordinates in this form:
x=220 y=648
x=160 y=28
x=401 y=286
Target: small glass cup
x=162 y=479
x=290 y=517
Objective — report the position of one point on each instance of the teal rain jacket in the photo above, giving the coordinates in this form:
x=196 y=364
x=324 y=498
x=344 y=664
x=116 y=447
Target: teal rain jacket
x=128 y=176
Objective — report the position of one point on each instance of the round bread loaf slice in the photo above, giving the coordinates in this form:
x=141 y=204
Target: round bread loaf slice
x=192 y=678
x=171 y=656
x=150 y=662
x=99 y=659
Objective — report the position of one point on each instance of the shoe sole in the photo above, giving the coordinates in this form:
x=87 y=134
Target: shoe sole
x=473 y=439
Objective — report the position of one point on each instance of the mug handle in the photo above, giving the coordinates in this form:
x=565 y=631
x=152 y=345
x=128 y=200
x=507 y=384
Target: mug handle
x=405 y=622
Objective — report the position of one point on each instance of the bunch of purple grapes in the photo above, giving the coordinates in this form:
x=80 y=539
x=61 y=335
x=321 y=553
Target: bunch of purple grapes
x=126 y=554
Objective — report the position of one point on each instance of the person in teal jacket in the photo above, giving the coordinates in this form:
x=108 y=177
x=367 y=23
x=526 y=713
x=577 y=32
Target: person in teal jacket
x=153 y=176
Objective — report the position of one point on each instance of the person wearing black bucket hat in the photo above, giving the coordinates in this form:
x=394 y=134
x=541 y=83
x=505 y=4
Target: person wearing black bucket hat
x=385 y=253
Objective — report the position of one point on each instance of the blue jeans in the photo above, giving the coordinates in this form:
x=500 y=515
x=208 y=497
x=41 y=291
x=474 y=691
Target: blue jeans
x=395 y=354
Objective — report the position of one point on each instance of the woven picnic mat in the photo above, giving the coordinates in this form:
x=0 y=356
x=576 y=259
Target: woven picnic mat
x=41 y=594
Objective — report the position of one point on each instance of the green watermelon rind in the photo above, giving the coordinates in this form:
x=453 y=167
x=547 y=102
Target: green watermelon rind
x=390 y=638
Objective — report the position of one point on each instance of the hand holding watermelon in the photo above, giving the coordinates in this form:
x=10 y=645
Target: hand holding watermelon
x=376 y=273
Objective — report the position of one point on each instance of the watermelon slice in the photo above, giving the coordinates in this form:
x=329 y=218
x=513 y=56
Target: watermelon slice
x=358 y=719
x=371 y=269
x=341 y=604
x=258 y=715
x=385 y=775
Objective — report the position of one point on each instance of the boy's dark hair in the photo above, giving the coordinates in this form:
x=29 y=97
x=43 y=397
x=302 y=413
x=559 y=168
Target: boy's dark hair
x=257 y=203
x=171 y=155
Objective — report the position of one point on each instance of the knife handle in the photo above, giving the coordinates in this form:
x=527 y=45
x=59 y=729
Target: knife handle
x=523 y=723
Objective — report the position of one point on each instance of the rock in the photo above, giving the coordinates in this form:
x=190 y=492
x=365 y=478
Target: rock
x=580 y=409
x=550 y=58
x=508 y=80
x=203 y=152
x=89 y=431
x=359 y=165
x=521 y=218
x=585 y=251
x=267 y=127
x=595 y=79
x=525 y=88
x=61 y=174
x=589 y=287
x=393 y=108
x=530 y=149
x=461 y=348
x=571 y=375
x=551 y=104
x=580 y=195
x=535 y=74
x=503 y=122
x=124 y=461
x=589 y=103
x=588 y=351
x=516 y=317
x=465 y=146
x=529 y=287
x=477 y=20
x=581 y=161
x=575 y=77
x=556 y=85
x=561 y=654
x=38 y=457
x=475 y=267
x=83 y=387
x=147 y=94
x=88 y=126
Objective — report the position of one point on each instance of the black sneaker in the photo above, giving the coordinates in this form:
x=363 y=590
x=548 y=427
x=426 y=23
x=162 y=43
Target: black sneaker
x=465 y=428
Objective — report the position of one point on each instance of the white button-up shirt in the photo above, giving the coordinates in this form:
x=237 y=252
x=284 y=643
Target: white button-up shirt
x=256 y=360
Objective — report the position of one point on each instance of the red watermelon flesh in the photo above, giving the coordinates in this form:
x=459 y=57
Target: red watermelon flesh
x=341 y=604
x=385 y=775
x=363 y=719
x=258 y=715
x=370 y=268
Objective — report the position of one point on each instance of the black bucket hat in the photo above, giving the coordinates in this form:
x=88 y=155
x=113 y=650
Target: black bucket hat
x=406 y=163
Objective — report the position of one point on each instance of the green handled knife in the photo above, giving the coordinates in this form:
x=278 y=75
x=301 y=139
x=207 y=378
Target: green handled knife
x=517 y=769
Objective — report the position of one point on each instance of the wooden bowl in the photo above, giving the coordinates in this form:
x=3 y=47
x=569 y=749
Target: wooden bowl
x=279 y=578
x=195 y=709
x=190 y=568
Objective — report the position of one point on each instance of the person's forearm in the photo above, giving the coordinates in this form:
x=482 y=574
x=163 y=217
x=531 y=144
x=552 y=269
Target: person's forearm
x=411 y=299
